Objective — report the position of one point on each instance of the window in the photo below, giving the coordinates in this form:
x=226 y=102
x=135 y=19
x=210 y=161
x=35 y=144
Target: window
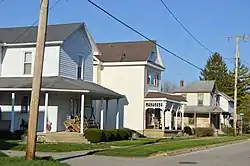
x=25 y=104
x=157 y=80
x=152 y=77
x=79 y=68
x=27 y=63
x=148 y=77
x=200 y=98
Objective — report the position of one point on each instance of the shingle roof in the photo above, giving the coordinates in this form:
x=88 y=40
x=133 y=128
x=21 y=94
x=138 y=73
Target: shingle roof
x=133 y=51
x=196 y=87
x=57 y=32
x=57 y=82
x=226 y=96
x=203 y=109
x=165 y=95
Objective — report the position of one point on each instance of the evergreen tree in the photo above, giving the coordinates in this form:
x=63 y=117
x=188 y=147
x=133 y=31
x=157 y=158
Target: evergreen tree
x=243 y=86
x=216 y=69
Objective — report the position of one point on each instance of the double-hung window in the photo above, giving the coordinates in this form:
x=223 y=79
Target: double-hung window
x=200 y=99
x=79 y=68
x=27 y=63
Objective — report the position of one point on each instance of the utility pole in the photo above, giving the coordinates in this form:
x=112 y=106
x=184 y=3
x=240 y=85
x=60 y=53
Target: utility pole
x=36 y=84
x=237 y=56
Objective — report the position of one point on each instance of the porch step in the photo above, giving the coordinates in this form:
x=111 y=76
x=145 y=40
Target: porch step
x=67 y=137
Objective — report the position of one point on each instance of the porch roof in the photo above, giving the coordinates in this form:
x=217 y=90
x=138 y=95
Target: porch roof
x=203 y=109
x=60 y=84
x=167 y=96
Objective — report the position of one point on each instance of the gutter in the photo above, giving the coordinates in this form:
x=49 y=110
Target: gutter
x=30 y=44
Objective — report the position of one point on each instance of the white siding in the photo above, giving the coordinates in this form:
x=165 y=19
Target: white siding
x=128 y=81
x=13 y=61
x=224 y=103
x=207 y=99
x=74 y=46
x=1 y=60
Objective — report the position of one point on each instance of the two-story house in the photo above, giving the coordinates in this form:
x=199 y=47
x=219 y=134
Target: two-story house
x=203 y=104
x=135 y=70
x=67 y=85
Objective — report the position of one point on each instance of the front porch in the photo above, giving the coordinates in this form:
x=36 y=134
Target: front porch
x=60 y=99
x=163 y=114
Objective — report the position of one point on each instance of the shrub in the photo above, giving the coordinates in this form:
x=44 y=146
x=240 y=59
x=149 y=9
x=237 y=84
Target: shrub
x=94 y=135
x=203 y=132
x=97 y=135
x=188 y=130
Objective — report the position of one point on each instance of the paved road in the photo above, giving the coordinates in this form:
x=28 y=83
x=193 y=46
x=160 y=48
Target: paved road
x=230 y=155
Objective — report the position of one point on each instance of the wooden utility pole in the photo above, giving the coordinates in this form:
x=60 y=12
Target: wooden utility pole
x=36 y=84
x=237 y=56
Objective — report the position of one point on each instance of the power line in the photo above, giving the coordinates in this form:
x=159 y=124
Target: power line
x=199 y=42
x=142 y=35
x=26 y=30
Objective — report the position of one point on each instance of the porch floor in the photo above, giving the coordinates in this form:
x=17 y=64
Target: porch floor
x=64 y=136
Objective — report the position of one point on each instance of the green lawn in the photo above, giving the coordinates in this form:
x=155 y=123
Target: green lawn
x=20 y=161
x=53 y=147
x=144 y=151
x=137 y=142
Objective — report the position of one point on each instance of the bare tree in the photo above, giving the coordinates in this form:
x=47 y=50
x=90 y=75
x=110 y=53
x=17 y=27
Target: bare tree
x=168 y=86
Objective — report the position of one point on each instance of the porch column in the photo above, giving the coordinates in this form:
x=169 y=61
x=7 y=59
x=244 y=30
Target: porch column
x=176 y=118
x=82 y=114
x=117 y=114
x=220 y=120
x=195 y=120
x=45 y=113
x=12 y=124
x=209 y=116
x=106 y=114
x=101 y=116
x=163 y=119
x=182 y=120
x=171 y=111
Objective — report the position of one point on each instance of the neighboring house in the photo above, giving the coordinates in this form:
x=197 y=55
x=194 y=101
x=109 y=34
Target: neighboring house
x=135 y=70
x=203 y=105
x=227 y=104
x=67 y=85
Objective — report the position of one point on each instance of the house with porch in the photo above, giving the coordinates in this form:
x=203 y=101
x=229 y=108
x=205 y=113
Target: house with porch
x=67 y=88
x=205 y=106
x=135 y=70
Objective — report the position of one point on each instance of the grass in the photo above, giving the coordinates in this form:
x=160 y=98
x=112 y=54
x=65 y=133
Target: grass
x=144 y=151
x=52 y=147
x=137 y=142
x=20 y=161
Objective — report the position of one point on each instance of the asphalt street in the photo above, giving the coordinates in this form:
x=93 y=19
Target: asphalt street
x=229 y=155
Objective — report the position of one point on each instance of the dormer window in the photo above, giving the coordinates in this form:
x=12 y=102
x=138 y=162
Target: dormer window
x=27 y=63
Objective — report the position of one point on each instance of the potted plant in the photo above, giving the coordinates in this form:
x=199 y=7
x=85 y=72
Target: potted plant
x=24 y=136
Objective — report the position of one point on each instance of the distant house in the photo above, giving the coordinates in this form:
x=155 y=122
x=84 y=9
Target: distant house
x=67 y=85
x=135 y=70
x=204 y=106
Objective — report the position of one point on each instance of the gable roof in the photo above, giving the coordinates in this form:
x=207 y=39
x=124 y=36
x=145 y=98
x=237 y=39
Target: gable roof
x=196 y=87
x=226 y=96
x=56 y=32
x=133 y=51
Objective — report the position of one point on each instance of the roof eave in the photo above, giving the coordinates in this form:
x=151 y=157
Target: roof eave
x=33 y=43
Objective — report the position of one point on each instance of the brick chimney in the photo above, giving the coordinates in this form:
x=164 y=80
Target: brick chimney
x=181 y=83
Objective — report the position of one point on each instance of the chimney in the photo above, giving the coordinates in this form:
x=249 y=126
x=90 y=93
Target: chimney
x=181 y=83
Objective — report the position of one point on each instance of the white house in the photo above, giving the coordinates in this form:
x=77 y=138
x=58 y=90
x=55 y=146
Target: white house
x=77 y=73
x=134 y=69
x=67 y=85
x=204 y=106
x=227 y=104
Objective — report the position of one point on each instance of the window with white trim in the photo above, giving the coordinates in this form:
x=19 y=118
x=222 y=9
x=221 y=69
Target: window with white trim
x=27 y=63
x=200 y=98
x=79 y=68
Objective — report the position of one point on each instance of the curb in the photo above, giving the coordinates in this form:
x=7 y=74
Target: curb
x=189 y=150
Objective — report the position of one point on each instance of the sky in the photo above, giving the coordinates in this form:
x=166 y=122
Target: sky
x=211 y=22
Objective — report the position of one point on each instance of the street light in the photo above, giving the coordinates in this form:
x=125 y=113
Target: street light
x=241 y=122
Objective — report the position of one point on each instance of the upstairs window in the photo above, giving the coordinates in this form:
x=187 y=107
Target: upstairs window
x=27 y=63
x=200 y=98
x=157 y=80
x=148 y=77
x=79 y=68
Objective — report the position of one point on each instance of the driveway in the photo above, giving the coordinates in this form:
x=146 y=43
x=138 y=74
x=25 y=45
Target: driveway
x=230 y=155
